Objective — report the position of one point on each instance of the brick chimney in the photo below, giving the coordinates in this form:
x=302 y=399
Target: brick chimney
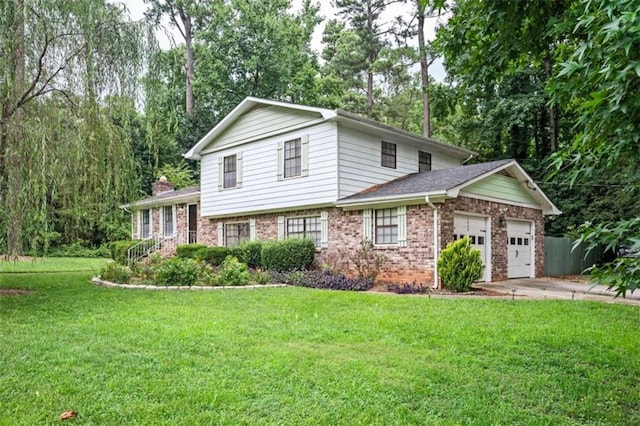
x=162 y=185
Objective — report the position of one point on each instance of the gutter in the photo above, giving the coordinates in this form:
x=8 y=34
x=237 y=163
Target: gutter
x=436 y=245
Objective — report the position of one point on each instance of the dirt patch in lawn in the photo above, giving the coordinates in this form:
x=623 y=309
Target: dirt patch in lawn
x=14 y=292
x=384 y=288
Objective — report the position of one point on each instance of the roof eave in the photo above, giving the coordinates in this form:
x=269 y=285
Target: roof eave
x=389 y=199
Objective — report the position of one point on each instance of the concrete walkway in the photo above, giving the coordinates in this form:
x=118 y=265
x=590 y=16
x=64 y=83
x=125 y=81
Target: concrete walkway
x=553 y=288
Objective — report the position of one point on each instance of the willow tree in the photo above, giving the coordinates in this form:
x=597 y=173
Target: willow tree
x=60 y=150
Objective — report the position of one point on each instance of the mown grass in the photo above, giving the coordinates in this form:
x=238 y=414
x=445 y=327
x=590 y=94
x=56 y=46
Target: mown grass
x=52 y=264
x=303 y=356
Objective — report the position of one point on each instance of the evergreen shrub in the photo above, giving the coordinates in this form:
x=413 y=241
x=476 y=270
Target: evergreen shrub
x=188 y=251
x=214 y=256
x=460 y=265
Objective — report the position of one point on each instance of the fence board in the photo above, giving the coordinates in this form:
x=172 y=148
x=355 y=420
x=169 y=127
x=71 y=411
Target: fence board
x=560 y=259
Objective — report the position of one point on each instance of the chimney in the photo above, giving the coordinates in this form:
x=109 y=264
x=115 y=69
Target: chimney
x=161 y=186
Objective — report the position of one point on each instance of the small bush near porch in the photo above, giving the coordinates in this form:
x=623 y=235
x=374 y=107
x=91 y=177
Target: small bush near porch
x=304 y=356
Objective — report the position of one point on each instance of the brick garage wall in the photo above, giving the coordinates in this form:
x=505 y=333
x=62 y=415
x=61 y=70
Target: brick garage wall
x=498 y=233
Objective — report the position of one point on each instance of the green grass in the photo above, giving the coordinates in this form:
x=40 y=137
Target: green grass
x=53 y=264
x=303 y=356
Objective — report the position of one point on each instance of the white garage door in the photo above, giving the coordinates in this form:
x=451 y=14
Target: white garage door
x=519 y=249
x=475 y=228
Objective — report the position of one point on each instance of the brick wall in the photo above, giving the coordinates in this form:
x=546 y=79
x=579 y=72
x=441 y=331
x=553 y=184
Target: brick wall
x=403 y=264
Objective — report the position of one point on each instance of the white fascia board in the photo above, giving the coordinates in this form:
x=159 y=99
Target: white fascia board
x=244 y=106
x=194 y=196
x=391 y=199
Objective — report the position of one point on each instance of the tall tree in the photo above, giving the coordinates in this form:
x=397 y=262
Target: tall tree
x=363 y=17
x=77 y=52
x=183 y=15
x=600 y=79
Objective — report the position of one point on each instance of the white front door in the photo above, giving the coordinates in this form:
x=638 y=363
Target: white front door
x=519 y=251
x=475 y=227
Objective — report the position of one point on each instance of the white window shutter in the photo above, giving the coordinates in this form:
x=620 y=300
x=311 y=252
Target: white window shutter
x=220 y=234
x=151 y=221
x=281 y=227
x=252 y=229
x=280 y=160
x=305 y=155
x=366 y=225
x=161 y=221
x=175 y=219
x=324 y=229
x=402 y=226
x=220 y=173
x=238 y=170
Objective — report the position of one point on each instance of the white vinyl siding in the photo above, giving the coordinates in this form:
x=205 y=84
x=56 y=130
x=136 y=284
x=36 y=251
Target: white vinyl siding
x=359 y=161
x=262 y=121
x=261 y=189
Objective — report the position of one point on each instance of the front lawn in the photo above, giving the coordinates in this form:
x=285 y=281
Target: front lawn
x=52 y=264
x=303 y=356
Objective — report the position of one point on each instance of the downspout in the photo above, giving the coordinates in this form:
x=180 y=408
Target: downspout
x=436 y=245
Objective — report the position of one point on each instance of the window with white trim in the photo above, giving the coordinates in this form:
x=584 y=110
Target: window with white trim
x=229 y=172
x=146 y=223
x=388 y=155
x=424 y=161
x=305 y=227
x=386 y=226
x=236 y=233
x=293 y=158
x=167 y=215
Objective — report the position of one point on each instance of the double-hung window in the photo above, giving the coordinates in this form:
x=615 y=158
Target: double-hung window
x=386 y=226
x=293 y=158
x=230 y=169
x=236 y=233
x=388 y=155
x=305 y=227
x=424 y=161
x=167 y=214
x=146 y=223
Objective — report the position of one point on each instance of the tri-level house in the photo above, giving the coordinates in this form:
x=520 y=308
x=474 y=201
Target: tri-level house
x=272 y=170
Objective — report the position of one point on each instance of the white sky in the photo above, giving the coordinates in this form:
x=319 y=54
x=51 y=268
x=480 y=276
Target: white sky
x=436 y=71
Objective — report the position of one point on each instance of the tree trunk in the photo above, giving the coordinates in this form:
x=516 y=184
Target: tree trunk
x=424 y=75
x=553 y=111
x=190 y=62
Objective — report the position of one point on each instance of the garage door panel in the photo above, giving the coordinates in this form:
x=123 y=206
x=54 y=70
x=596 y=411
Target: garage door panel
x=519 y=252
x=475 y=228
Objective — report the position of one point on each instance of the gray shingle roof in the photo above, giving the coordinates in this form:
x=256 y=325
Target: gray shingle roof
x=166 y=196
x=427 y=182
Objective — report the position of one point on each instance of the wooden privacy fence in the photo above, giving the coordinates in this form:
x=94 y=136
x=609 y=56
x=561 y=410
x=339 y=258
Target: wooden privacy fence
x=560 y=260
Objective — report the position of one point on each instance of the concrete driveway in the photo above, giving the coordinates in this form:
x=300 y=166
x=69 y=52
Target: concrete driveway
x=553 y=288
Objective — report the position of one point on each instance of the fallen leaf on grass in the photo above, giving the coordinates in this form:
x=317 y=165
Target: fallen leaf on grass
x=68 y=415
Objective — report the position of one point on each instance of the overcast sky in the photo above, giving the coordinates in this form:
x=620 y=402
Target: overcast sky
x=137 y=8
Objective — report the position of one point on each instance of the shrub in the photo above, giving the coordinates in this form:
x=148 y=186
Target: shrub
x=288 y=255
x=260 y=277
x=460 y=265
x=175 y=271
x=250 y=253
x=367 y=261
x=188 y=251
x=119 y=250
x=115 y=273
x=233 y=272
x=214 y=256
x=325 y=279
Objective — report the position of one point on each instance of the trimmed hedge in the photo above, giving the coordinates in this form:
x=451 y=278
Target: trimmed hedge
x=214 y=256
x=249 y=253
x=189 y=251
x=119 y=250
x=288 y=255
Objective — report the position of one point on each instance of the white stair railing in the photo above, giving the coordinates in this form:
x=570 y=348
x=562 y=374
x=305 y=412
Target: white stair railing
x=165 y=244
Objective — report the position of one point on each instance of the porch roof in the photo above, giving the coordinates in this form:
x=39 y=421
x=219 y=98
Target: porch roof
x=167 y=198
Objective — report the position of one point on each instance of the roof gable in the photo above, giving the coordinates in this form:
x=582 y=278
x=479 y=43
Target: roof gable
x=483 y=179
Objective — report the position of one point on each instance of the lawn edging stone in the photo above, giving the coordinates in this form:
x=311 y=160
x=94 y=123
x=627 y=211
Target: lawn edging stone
x=103 y=283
